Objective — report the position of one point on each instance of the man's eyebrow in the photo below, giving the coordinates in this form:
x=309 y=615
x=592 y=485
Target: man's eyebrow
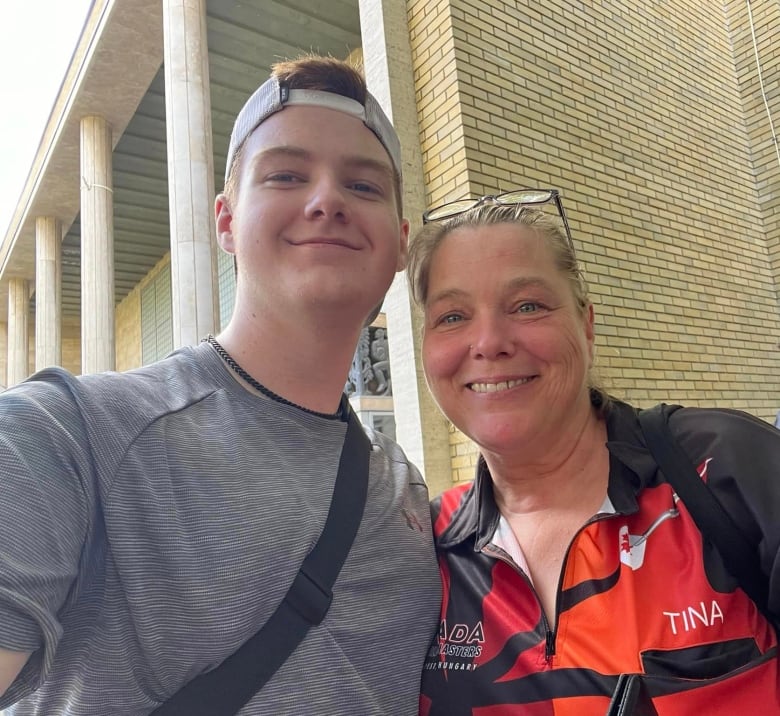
x=281 y=152
x=358 y=162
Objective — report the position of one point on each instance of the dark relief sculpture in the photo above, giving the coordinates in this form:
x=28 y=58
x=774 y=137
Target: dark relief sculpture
x=370 y=371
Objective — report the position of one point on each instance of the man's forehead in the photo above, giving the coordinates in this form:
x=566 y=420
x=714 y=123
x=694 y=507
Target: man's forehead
x=289 y=134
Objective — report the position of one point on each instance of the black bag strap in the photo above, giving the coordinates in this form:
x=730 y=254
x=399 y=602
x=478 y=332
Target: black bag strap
x=630 y=698
x=226 y=689
x=739 y=554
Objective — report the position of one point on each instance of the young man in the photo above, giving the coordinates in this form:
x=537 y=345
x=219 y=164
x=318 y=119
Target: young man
x=152 y=521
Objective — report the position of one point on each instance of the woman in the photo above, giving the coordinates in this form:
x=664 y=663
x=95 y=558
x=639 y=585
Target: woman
x=568 y=561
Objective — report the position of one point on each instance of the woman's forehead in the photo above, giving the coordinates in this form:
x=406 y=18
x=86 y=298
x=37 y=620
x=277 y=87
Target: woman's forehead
x=486 y=240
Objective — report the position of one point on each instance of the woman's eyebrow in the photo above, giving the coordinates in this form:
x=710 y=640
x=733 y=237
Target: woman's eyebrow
x=447 y=293
x=529 y=282
x=517 y=284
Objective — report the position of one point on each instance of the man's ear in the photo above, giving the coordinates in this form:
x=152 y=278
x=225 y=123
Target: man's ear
x=224 y=218
x=403 y=249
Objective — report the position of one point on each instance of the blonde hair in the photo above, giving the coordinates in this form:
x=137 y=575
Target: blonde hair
x=546 y=226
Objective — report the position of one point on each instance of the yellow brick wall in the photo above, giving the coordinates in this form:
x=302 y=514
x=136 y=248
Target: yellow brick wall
x=71 y=344
x=128 y=330
x=762 y=109
x=128 y=321
x=437 y=89
x=635 y=111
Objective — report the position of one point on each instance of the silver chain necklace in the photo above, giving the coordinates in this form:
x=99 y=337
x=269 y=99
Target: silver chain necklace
x=340 y=414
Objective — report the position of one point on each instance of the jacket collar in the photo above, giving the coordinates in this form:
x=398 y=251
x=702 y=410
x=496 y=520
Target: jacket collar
x=631 y=468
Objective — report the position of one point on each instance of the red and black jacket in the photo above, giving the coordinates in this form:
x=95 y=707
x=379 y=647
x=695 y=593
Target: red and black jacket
x=640 y=592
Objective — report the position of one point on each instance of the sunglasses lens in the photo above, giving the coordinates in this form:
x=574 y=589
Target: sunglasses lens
x=526 y=196
x=516 y=197
x=447 y=210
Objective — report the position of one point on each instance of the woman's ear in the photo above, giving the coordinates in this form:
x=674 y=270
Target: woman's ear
x=590 y=331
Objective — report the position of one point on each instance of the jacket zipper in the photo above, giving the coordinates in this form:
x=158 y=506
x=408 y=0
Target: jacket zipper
x=550 y=633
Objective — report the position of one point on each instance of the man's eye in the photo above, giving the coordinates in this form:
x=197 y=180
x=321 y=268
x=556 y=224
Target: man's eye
x=451 y=318
x=364 y=187
x=283 y=178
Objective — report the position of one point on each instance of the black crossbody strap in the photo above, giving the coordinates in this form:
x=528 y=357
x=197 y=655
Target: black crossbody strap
x=739 y=554
x=630 y=698
x=226 y=689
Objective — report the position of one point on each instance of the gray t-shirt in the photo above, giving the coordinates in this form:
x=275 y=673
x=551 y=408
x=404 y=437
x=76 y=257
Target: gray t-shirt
x=151 y=521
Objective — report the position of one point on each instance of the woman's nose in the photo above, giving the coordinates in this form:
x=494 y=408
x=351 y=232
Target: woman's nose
x=491 y=339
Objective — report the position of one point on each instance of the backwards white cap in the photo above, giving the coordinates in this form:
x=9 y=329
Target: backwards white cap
x=273 y=96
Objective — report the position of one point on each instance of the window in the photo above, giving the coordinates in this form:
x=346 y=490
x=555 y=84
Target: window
x=156 y=321
x=382 y=422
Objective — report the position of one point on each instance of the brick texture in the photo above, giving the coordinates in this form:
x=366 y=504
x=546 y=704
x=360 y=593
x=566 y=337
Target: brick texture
x=128 y=321
x=649 y=118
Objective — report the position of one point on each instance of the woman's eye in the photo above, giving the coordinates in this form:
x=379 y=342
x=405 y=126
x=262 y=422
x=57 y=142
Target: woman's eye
x=528 y=307
x=450 y=318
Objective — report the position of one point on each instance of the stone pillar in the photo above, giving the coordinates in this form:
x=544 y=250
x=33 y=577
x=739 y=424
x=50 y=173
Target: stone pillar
x=190 y=171
x=48 y=292
x=421 y=429
x=97 y=247
x=18 y=337
x=4 y=352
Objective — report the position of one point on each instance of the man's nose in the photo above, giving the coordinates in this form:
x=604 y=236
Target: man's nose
x=327 y=199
